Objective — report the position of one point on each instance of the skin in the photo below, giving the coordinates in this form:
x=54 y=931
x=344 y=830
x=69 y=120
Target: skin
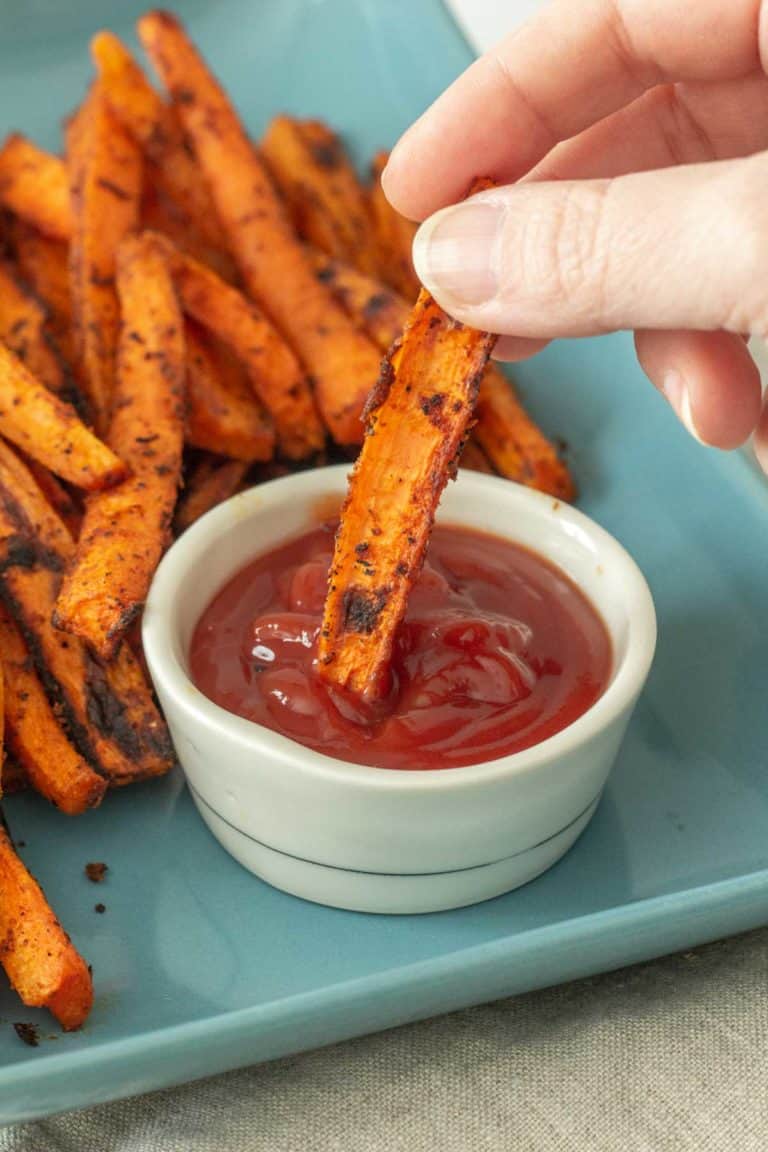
x=628 y=138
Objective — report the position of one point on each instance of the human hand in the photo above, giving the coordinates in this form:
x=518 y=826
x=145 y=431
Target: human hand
x=634 y=130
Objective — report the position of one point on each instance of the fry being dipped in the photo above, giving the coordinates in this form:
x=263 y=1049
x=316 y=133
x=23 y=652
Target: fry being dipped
x=126 y=529
x=417 y=421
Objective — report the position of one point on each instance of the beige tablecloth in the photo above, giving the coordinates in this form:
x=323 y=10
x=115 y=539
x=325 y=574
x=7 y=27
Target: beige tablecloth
x=665 y=1057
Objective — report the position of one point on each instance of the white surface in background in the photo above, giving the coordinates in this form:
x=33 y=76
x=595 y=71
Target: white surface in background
x=483 y=22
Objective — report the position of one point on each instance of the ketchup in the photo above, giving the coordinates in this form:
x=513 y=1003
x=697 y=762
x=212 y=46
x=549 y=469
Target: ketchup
x=498 y=651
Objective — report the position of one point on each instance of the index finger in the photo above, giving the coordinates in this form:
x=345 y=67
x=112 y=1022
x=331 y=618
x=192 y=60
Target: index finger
x=568 y=67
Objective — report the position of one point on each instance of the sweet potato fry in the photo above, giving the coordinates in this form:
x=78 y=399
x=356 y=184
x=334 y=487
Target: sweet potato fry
x=223 y=415
x=43 y=263
x=473 y=458
x=126 y=528
x=417 y=422
x=159 y=213
x=69 y=509
x=272 y=262
x=154 y=127
x=505 y=433
x=514 y=443
x=394 y=237
x=33 y=735
x=41 y=962
x=276 y=376
x=105 y=174
x=34 y=185
x=106 y=711
x=23 y=328
x=50 y=431
x=374 y=307
x=328 y=204
x=211 y=482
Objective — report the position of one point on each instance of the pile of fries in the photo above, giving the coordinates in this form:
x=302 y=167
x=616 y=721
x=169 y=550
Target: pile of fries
x=182 y=315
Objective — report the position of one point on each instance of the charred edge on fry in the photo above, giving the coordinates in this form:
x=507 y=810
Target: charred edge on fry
x=362 y=608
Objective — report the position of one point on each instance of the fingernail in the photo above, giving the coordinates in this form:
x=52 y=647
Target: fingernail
x=675 y=389
x=456 y=253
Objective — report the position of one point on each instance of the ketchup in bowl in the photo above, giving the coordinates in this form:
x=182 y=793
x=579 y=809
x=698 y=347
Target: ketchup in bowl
x=498 y=651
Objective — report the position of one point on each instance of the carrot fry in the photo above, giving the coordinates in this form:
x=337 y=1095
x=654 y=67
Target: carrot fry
x=33 y=735
x=126 y=528
x=154 y=127
x=275 y=374
x=394 y=236
x=514 y=443
x=505 y=433
x=328 y=204
x=211 y=482
x=105 y=174
x=41 y=962
x=222 y=413
x=33 y=184
x=473 y=458
x=272 y=262
x=106 y=711
x=49 y=429
x=43 y=263
x=417 y=422
x=23 y=328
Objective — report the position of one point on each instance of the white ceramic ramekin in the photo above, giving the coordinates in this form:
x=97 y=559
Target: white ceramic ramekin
x=374 y=839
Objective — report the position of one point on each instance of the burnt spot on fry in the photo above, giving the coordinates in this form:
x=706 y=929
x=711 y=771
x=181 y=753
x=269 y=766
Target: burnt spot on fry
x=375 y=304
x=380 y=390
x=114 y=189
x=27 y=1033
x=362 y=608
x=432 y=407
x=326 y=153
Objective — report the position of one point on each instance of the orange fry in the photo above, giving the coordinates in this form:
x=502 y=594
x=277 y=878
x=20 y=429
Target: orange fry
x=105 y=174
x=272 y=262
x=374 y=307
x=43 y=263
x=276 y=376
x=394 y=237
x=505 y=433
x=328 y=204
x=125 y=529
x=417 y=422
x=514 y=443
x=34 y=185
x=223 y=415
x=107 y=711
x=49 y=429
x=23 y=328
x=211 y=483
x=154 y=127
x=41 y=962
x=473 y=457
x=33 y=735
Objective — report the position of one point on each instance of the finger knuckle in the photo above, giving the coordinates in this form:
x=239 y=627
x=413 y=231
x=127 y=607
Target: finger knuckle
x=566 y=255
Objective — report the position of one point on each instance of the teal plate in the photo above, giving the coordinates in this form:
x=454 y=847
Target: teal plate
x=198 y=966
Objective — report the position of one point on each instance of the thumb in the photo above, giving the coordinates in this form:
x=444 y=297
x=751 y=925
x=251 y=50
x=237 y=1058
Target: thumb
x=679 y=248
